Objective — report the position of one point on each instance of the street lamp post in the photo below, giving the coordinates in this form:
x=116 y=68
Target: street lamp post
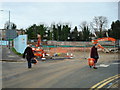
x=9 y=20
x=8 y=27
x=9 y=17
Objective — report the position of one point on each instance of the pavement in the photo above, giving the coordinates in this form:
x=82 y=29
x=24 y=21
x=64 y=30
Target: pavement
x=8 y=55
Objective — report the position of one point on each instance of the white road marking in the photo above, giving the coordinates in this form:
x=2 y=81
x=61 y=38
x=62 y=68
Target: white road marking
x=105 y=65
x=102 y=65
x=115 y=63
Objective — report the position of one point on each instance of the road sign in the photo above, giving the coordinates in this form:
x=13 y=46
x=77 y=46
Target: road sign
x=11 y=34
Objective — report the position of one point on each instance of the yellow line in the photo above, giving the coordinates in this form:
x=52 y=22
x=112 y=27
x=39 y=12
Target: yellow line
x=103 y=81
x=107 y=82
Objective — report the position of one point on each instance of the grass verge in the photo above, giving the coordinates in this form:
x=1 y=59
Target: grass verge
x=13 y=49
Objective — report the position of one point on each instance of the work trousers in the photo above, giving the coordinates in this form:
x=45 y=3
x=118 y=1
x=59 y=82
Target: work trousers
x=29 y=64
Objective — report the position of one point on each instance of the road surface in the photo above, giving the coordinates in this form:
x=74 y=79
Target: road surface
x=66 y=73
x=55 y=74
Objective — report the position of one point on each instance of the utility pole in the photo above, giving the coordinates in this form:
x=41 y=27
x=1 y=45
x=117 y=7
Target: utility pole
x=8 y=27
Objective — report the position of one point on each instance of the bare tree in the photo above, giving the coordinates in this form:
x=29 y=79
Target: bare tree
x=10 y=25
x=99 y=24
x=83 y=24
x=85 y=30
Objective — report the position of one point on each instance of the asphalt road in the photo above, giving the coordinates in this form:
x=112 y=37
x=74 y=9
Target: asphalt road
x=55 y=74
x=69 y=73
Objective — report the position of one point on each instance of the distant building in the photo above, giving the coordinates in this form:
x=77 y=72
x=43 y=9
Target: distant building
x=19 y=32
x=3 y=33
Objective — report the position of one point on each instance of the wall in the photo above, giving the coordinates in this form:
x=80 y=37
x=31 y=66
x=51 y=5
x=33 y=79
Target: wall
x=78 y=43
x=20 y=43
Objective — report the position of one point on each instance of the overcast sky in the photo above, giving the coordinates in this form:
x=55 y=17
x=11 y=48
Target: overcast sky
x=24 y=14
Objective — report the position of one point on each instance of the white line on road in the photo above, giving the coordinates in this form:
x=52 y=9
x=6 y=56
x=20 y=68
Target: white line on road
x=102 y=65
x=106 y=65
x=115 y=63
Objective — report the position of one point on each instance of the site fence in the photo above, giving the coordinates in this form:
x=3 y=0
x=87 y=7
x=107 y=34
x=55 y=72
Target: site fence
x=73 y=46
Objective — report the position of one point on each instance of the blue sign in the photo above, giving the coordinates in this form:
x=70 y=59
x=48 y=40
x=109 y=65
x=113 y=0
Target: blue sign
x=10 y=34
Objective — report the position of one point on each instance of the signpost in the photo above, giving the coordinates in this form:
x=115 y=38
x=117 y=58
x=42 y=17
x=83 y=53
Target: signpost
x=10 y=35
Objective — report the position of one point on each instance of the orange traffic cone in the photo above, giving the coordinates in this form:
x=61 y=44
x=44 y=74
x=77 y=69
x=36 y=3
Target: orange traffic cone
x=71 y=56
x=43 y=57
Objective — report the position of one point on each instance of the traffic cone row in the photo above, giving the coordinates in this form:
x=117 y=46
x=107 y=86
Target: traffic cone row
x=43 y=57
x=69 y=56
